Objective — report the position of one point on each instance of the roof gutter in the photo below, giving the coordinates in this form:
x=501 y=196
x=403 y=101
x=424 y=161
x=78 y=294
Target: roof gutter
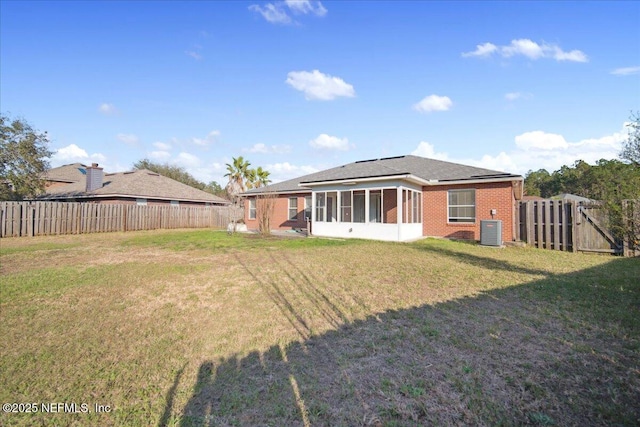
x=474 y=181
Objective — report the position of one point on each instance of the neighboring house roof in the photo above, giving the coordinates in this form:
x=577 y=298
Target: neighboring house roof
x=74 y=172
x=431 y=170
x=135 y=184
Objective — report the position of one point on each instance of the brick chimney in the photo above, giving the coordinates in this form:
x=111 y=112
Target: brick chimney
x=94 y=177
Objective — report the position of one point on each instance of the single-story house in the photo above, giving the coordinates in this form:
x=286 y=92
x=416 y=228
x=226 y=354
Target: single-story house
x=79 y=183
x=394 y=198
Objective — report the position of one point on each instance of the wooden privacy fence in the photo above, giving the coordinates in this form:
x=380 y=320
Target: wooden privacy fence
x=49 y=218
x=566 y=225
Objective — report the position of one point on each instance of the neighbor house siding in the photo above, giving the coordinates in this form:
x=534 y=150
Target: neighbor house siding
x=497 y=195
x=280 y=217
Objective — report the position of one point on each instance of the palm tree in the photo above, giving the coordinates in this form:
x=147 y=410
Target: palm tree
x=261 y=178
x=251 y=179
x=238 y=172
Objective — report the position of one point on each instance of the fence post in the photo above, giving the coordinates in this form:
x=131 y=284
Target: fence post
x=574 y=226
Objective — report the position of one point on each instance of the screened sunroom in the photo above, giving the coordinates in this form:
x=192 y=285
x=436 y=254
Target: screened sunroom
x=389 y=210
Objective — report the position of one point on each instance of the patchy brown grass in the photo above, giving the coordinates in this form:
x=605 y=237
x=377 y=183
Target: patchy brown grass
x=200 y=328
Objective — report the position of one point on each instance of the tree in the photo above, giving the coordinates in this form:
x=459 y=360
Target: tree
x=261 y=178
x=238 y=172
x=216 y=189
x=23 y=159
x=265 y=205
x=631 y=147
x=535 y=182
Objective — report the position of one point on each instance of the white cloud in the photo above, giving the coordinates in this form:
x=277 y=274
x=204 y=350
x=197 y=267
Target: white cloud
x=209 y=139
x=328 y=142
x=192 y=53
x=626 y=71
x=523 y=47
x=187 y=160
x=316 y=85
x=107 y=109
x=539 y=140
x=272 y=13
x=306 y=6
x=538 y=150
x=283 y=171
x=573 y=56
x=265 y=149
x=72 y=154
x=278 y=12
x=128 y=138
x=529 y=49
x=427 y=149
x=162 y=146
x=482 y=50
x=433 y=103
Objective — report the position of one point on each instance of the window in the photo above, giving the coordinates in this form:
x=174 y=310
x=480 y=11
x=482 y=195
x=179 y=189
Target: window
x=332 y=206
x=141 y=202
x=411 y=207
x=345 y=206
x=175 y=203
x=416 y=207
x=320 y=207
x=462 y=205
x=307 y=208
x=293 y=208
x=358 y=206
x=252 y=208
x=375 y=206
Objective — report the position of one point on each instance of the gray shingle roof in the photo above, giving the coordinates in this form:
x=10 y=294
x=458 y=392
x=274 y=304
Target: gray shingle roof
x=421 y=167
x=139 y=184
x=74 y=172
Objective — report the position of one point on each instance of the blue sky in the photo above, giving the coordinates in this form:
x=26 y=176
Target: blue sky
x=299 y=86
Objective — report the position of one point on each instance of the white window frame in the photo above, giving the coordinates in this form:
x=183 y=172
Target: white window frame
x=308 y=201
x=253 y=209
x=321 y=206
x=459 y=219
x=293 y=216
x=348 y=207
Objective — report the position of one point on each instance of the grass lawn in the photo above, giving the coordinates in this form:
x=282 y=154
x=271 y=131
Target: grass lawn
x=193 y=328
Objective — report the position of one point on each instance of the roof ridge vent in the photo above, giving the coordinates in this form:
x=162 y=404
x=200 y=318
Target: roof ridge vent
x=366 y=161
x=394 y=157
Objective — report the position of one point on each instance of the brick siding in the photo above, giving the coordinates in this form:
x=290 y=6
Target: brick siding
x=497 y=195
x=280 y=218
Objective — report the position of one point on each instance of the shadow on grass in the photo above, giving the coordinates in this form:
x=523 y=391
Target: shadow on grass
x=554 y=351
x=479 y=261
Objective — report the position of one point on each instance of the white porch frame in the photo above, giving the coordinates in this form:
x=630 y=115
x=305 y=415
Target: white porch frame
x=397 y=232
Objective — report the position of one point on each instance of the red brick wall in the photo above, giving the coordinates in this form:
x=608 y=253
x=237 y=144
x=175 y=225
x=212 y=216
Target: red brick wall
x=498 y=195
x=280 y=218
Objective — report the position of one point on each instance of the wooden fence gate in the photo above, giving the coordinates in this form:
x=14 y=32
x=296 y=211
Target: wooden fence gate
x=566 y=225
